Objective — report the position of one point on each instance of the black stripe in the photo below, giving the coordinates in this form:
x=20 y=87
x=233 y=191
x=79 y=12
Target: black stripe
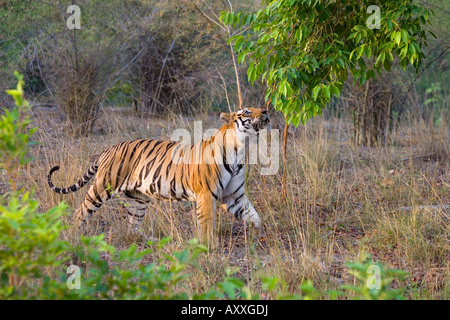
x=158 y=171
x=242 y=184
x=220 y=183
x=238 y=214
x=97 y=195
x=169 y=165
x=122 y=160
x=227 y=167
x=157 y=143
x=173 y=191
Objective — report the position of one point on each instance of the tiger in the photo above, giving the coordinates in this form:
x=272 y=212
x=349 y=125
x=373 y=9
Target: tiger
x=145 y=169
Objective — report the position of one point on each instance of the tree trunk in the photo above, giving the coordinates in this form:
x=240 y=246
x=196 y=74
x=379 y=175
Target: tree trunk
x=284 y=179
x=371 y=114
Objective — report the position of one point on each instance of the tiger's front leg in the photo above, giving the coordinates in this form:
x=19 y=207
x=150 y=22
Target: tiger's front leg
x=236 y=202
x=205 y=216
x=239 y=206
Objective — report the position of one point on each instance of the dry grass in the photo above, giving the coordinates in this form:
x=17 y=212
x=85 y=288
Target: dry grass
x=343 y=201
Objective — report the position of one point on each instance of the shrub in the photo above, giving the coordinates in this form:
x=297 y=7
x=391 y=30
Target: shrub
x=75 y=93
x=15 y=134
x=30 y=249
x=374 y=280
x=34 y=259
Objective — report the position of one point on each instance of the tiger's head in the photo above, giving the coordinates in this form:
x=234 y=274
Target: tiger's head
x=248 y=121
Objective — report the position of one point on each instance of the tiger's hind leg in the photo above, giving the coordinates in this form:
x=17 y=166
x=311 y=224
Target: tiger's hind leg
x=136 y=210
x=93 y=200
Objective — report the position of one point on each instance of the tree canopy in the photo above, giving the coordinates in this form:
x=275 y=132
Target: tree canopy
x=303 y=50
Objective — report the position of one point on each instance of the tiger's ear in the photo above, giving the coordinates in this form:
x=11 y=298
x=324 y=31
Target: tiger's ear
x=226 y=117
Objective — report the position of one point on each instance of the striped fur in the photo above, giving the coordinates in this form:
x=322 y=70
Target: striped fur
x=145 y=169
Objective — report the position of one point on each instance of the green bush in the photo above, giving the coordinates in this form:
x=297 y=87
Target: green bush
x=367 y=289
x=30 y=249
x=127 y=277
x=15 y=134
x=34 y=262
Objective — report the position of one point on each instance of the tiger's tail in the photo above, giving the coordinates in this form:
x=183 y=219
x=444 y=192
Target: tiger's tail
x=87 y=176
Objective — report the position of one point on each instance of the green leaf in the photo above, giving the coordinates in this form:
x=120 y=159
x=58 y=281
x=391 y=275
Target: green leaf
x=241 y=56
x=239 y=41
x=362 y=79
x=405 y=36
x=397 y=37
x=335 y=89
x=389 y=24
x=360 y=51
x=182 y=256
x=326 y=92
x=13 y=92
x=269 y=283
x=316 y=92
x=367 y=51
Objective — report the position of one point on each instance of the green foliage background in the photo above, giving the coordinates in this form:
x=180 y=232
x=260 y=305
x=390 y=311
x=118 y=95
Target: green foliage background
x=303 y=50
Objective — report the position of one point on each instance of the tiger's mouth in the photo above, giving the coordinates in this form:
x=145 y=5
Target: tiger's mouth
x=262 y=123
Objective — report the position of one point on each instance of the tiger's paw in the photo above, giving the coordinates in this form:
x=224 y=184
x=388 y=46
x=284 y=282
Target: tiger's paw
x=255 y=222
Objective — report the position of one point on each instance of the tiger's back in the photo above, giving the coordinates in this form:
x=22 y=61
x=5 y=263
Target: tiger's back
x=146 y=169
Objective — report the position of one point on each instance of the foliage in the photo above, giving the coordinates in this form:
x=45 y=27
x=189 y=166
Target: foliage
x=365 y=273
x=29 y=241
x=304 y=49
x=33 y=260
x=29 y=246
x=127 y=277
x=33 y=257
x=15 y=134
